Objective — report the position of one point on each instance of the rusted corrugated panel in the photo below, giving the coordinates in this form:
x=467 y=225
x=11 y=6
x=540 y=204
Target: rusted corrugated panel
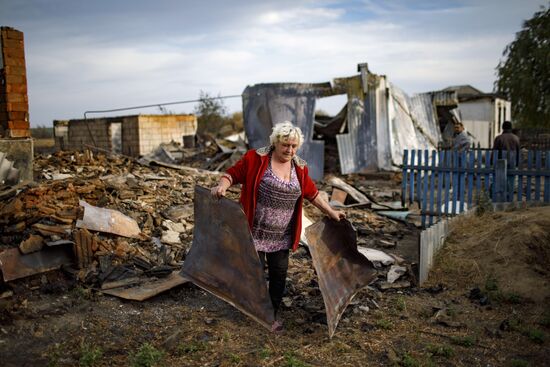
x=357 y=149
x=414 y=123
x=342 y=271
x=444 y=98
x=425 y=116
x=223 y=260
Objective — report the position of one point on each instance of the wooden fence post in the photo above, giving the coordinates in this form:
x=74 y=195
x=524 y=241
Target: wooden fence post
x=500 y=188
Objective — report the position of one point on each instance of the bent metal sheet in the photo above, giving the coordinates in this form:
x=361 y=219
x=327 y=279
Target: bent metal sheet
x=223 y=260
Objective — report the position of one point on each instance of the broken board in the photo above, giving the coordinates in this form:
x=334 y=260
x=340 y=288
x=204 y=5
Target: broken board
x=147 y=289
x=15 y=265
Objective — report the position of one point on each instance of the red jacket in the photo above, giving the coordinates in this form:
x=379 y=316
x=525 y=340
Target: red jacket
x=249 y=170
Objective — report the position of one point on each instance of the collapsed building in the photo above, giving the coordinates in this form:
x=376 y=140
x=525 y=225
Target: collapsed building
x=378 y=122
x=133 y=136
x=481 y=113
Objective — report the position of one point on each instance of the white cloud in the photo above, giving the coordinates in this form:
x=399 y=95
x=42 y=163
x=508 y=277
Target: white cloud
x=299 y=16
x=91 y=58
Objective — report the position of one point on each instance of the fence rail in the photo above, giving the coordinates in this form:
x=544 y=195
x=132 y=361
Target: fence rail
x=447 y=182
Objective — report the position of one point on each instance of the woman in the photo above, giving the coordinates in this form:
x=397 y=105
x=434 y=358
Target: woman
x=274 y=183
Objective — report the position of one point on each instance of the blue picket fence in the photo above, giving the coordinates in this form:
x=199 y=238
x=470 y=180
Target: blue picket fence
x=446 y=182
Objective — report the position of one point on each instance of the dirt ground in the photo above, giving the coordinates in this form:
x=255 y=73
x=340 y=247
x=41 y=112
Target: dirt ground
x=486 y=303
x=505 y=255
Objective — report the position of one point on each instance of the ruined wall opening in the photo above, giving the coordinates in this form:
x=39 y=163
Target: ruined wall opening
x=330 y=120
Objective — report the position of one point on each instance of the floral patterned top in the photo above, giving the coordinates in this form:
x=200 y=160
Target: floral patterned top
x=272 y=228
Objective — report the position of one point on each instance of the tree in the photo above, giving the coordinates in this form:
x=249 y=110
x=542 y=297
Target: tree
x=210 y=113
x=524 y=74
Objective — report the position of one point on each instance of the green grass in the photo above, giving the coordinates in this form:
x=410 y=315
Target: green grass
x=409 y=361
x=535 y=335
x=384 y=324
x=292 y=361
x=192 y=347
x=265 y=353
x=464 y=341
x=400 y=303
x=440 y=350
x=234 y=358
x=147 y=356
x=89 y=355
x=518 y=363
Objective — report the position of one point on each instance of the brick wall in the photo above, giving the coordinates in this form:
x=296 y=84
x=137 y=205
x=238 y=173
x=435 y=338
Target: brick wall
x=157 y=129
x=14 y=104
x=140 y=134
x=82 y=133
x=130 y=136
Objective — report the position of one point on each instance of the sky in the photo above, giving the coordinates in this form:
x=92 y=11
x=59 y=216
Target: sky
x=107 y=54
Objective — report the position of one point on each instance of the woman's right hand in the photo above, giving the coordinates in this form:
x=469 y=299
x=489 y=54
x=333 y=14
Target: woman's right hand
x=218 y=191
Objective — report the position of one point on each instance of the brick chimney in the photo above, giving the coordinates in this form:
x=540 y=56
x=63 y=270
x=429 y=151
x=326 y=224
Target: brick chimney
x=14 y=102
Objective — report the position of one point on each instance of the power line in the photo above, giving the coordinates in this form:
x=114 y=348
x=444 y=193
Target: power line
x=158 y=105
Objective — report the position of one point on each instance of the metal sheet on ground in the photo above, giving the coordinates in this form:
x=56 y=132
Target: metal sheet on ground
x=15 y=265
x=341 y=269
x=148 y=289
x=223 y=260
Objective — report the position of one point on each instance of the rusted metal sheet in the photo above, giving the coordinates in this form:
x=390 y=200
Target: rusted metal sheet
x=341 y=269
x=148 y=288
x=223 y=260
x=264 y=105
x=15 y=265
x=107 y=220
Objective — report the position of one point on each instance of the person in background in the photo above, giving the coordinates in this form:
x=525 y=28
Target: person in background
x=507 y=141
x=504 y=144
x=461 y=140
x=275 y=181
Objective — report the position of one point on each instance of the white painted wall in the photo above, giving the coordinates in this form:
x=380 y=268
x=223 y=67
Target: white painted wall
x=483 y=118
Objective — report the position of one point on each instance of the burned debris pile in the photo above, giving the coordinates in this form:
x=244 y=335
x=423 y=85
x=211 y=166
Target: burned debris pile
x=116 y=217
x=124 y=227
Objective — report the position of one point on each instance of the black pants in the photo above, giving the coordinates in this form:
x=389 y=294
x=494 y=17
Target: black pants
x=277 y=266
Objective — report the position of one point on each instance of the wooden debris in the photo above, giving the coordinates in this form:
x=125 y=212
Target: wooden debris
x=32 y=244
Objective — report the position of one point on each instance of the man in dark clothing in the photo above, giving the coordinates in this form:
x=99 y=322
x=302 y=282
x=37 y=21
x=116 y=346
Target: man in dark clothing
x=507 y=140
x=504 y=143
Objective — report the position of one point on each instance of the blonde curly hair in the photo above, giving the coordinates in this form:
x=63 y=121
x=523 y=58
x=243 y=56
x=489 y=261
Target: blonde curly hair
x=284 y=131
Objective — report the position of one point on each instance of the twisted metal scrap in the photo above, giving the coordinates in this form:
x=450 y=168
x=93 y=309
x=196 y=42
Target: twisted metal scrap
x=341 y=269
x=223 y=260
